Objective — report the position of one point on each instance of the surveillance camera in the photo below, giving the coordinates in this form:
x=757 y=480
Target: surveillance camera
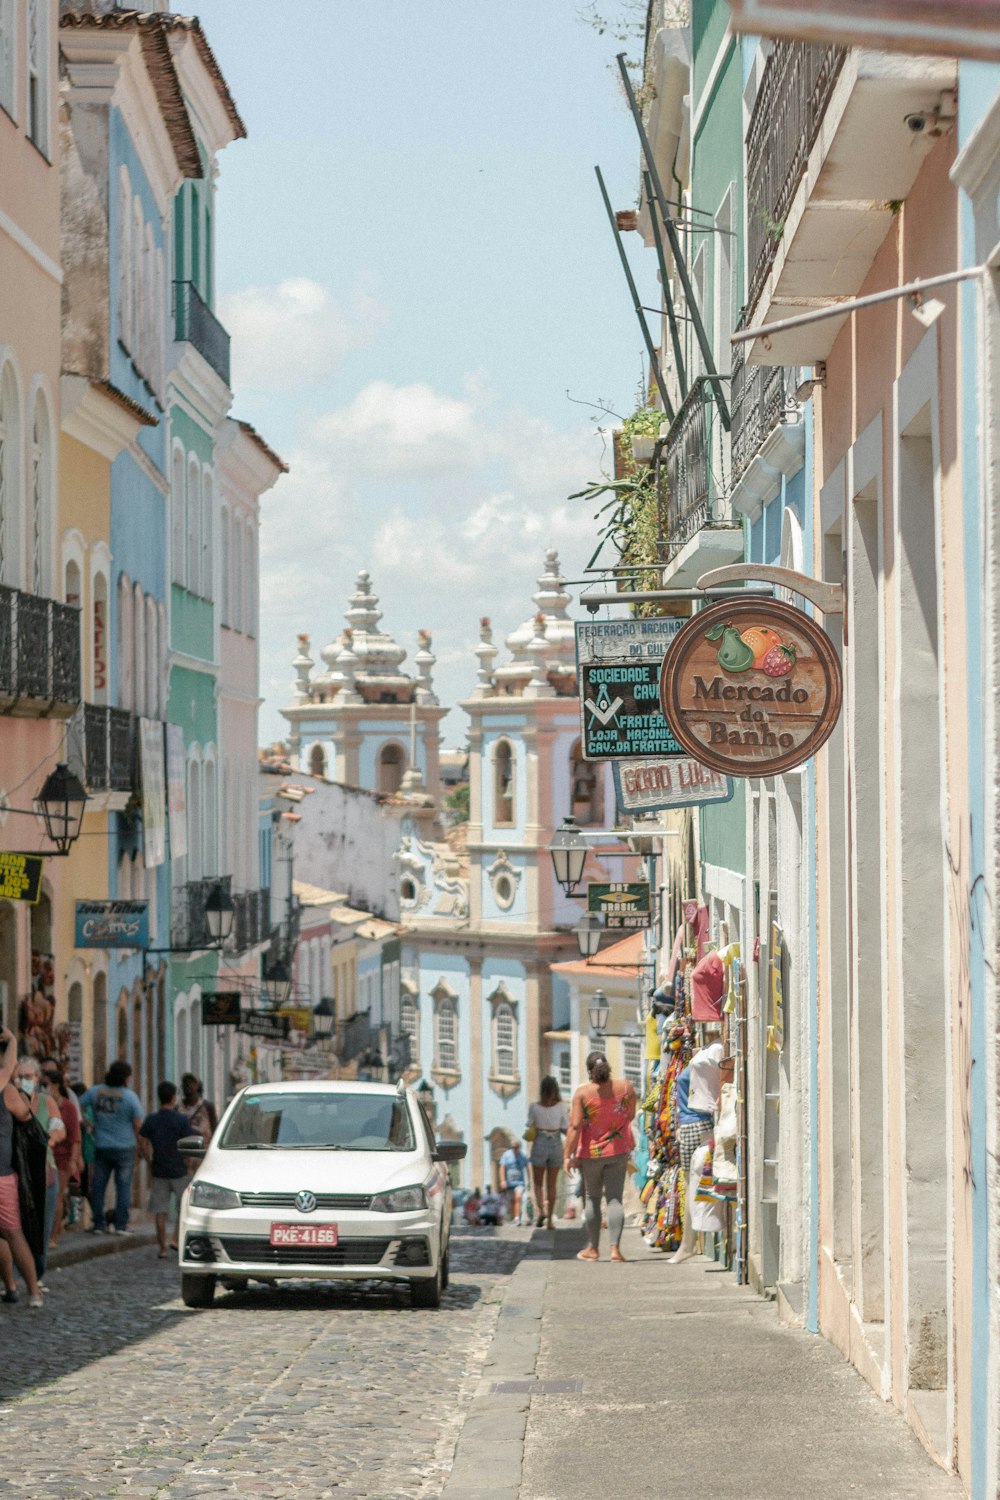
x=917 y=123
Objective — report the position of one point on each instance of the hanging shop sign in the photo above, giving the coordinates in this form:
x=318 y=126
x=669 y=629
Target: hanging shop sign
x=221 y=1008
x=625 y=905
x=952 y=28
x=111 y=924
x=154 y=792
x=21 y=877
x=677 y=781
x=618 y=670
x=751 y=687
x=299 y=1017
x=264 y=1026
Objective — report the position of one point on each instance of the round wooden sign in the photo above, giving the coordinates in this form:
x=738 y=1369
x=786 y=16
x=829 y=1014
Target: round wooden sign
x=751 y=687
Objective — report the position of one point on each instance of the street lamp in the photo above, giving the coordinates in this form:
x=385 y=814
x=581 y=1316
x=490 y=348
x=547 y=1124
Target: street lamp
x=569 y=855
x=599 y=1012
x=323 y=1018
x=278 y=983
x=219 y=913
x=589 y=931
x=62 y=802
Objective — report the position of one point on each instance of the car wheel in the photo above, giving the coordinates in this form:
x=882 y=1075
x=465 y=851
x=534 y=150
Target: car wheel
x=445 y=1270
x=197 y=1291
x=427 y=1291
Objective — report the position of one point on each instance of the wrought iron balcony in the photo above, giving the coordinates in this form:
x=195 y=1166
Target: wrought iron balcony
x=195 y=323
x=794 y=92
x=39 y=655
x=188 y=922
x=251 y=920
x=763 y=396
x=694 y=469
x=109 y=749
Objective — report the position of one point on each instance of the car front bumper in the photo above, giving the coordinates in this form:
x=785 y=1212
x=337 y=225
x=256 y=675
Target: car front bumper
x=236 y=1243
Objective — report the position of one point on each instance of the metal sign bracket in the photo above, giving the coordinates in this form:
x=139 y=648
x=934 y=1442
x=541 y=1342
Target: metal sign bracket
x=827 y=597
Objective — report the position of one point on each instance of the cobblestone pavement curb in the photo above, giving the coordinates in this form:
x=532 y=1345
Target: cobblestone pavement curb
x=115 y=1389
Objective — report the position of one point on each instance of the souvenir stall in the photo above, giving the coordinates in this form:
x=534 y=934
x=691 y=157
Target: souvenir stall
x=692 y=1106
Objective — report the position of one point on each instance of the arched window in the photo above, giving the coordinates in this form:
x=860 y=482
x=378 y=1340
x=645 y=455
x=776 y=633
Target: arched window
x=126 y=652
x=139 y=647
x=38 y=74
x=446 y=1029
x=207 y=581
x=224 y=565
x=124 y=258
x=138 y=291
x=177 y=519
x=210 y=864
x=504 y=1041
x=152 y=659
x=409 y=1025
x=148 y=306
x=10 y=447
x=193 y=527
x=317 y=761
x=194 y=821
x=99 y=640
x=586 y=788
x=100 y=1026
x=163 y=667
x=40 y=497
x=159 y=324
x=503 y=783
x=391 y=765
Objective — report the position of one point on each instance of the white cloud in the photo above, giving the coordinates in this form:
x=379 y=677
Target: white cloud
x=295 y=334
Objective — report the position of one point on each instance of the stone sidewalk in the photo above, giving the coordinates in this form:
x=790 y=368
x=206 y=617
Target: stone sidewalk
x=661 y=1381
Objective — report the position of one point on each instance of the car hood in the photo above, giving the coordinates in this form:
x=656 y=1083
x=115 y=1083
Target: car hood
x=291 y=1171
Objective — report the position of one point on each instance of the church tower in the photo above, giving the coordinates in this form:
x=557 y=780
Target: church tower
x=364 y=721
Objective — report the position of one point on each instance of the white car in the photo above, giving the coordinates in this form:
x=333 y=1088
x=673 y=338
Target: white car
x=323 y=1181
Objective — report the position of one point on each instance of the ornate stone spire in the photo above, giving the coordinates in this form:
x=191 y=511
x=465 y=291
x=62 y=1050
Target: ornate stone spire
x=303 y=664
x=487 y=654
x=424 y=663
x=538 y=685
x=347 y=665
x=552 y=597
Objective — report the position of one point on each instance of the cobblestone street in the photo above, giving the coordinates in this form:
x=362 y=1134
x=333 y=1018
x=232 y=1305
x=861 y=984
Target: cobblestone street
x=116 y=1389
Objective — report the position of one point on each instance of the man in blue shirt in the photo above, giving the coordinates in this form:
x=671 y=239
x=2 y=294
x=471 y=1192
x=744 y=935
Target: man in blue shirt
x=117 y=1119
x=513 y=1172
x=160 y=1134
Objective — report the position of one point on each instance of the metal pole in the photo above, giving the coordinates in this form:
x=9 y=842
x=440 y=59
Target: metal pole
x=647 y=336
x=667 y=298
x=675 y=249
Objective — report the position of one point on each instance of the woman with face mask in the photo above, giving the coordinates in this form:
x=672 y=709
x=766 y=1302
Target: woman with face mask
x=13 y=1106
x=35 y=1088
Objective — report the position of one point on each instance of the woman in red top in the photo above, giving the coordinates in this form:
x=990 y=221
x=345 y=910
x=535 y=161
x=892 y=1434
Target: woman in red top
x=599 y=1139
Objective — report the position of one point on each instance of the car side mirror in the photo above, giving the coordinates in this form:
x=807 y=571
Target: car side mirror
x=192 y=1145
x=450 y=1151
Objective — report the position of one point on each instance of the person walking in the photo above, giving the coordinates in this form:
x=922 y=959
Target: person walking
x=600 y=1139
x=548 y=1122
x=513 y=1175
x=117 y=1121
x=158 y=1137
x=16 y=1250
x=31 y=1083
x=65 y=1148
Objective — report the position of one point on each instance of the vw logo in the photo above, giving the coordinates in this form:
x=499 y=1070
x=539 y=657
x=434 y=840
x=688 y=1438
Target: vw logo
x=305 y=1202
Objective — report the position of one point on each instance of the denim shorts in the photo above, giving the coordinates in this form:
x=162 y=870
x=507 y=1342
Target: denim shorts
x=547 y=1149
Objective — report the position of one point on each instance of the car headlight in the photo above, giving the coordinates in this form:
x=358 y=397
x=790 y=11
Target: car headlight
x=208 y=1195
x=400 y=1200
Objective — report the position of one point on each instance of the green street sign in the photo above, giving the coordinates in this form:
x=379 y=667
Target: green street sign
x=625 y=905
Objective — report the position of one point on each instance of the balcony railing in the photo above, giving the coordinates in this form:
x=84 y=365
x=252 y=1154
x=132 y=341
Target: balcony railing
x=763 y=396
x=39 y=654
x=188 y=923
x=794 y=91
x=251 y=920
x=109 y=749
x=694 y=468
x=195 y=323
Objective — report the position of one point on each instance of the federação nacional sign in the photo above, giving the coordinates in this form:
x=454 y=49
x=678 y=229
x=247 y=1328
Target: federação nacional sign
x=751 y=687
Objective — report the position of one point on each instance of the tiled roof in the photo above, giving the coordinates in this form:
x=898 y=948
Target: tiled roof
x=160 y=67
x=611 y=963
x=265 y=448
x=192 y=25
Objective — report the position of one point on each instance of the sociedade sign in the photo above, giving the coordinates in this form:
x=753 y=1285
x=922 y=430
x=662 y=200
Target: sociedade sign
x=751 y=687
x=618 y=669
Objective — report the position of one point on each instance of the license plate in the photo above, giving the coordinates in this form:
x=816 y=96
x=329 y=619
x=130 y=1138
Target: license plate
x=304 y=1234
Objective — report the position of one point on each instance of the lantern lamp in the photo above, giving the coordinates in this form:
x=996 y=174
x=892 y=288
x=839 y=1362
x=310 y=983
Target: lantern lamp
x=569 y=855
x=62 y=802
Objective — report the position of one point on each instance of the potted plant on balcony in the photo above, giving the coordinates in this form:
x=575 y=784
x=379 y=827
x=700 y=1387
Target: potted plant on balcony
x=641 y=430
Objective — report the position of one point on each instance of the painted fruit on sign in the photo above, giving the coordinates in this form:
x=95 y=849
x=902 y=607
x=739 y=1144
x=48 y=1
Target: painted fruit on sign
x=760 y=639
x=734 y=653
x=779 y=661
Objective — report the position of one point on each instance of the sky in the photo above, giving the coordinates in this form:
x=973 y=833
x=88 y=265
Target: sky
x=417 y=273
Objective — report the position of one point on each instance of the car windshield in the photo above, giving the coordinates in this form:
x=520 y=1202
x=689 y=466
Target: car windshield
x=337 y=1121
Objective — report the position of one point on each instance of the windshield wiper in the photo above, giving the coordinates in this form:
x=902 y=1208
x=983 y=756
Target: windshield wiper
x=314 y=1146
x=258 y=1146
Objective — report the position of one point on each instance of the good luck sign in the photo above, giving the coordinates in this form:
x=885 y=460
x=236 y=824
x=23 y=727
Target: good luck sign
x=751 y=687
